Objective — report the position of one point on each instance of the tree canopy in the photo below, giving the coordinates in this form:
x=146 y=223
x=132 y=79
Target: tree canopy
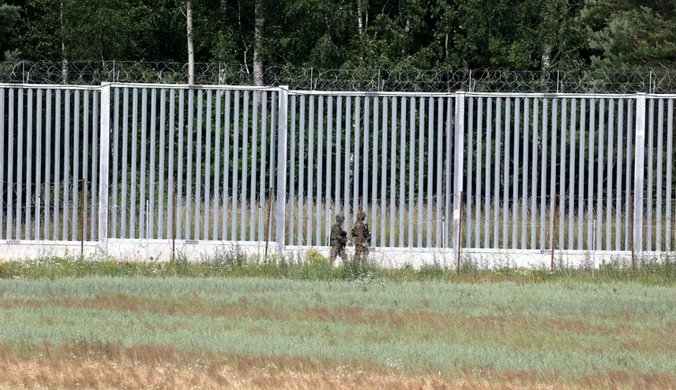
x=393 y=34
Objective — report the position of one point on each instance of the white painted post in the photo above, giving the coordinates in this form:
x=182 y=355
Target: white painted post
x=282 y=129
x=458 y=175
x=639 y=163
x=104 y=148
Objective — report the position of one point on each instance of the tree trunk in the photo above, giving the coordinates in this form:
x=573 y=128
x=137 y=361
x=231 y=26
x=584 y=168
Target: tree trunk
x=546 y=58
x=360 y=25
x=259 y=24
x=191 y=48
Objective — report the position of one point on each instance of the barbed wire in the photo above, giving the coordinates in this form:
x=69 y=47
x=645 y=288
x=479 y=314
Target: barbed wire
x=648 y=80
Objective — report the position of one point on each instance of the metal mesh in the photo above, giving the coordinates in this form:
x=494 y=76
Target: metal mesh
x=647 y=80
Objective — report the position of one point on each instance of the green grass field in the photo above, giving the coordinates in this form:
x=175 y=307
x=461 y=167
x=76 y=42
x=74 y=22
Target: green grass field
x=484 y=331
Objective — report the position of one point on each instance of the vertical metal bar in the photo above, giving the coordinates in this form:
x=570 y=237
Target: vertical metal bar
x=639 y=163
x=411 y=166
x=365 y=162
x=134 y=172
x=226 y=166
x=357 y=147
x=264 y=158
x=254 y=161
x=235 y=173
x=162 y=147
x=246 y=202
x=348 y=156
x=143 y=222
x=274 y=114
x=282 y=130
x=95 y=160
x=469 y=195
x=38 y=167
x=651 y=162
x=153 y=146
x=293 y=203
x=76 y=179
x=487 y=186
x=29 y=167
x=198 y=166
x=310 y=172
x=599 y=186
x=515 y=174
x=627 y=183
x=320 y=168
x=458 y=170
x=48 y=165
x=393 y=169
x=562 y=175
x=301 y=175
x=496 y=182
x=374 y=177
x=330 y=179
x=19 y=165
x=383 y=173
x=609 y=176
x=553 y=179
x=571 y=175
x=66 y=168
x=430 y=170
x=339 y=154
x=125 y=153
x=421 y=160
x=524 y=183
x=669 y=177
x=439 y=177
x=543 y=169
x=217 y=210
x=171 y=179
x=208 y=210
x=2 y=158
x=57 y=163
x=180 y=208
x=402 y=172
x=449 y=174
x=618 y=178
x=534 y=173
x=590 y=168
x=506 y=174
x=581 y=171
x=104 y=168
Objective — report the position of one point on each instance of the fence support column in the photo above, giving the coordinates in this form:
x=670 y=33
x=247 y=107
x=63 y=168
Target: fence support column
x=458 y=175
x=282 y=129
x=104 y=160
x=639 y=165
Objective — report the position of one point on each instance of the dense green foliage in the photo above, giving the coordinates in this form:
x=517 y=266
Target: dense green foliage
x=403 y=34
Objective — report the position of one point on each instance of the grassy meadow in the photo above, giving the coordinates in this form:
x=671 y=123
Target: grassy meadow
x=98 y=325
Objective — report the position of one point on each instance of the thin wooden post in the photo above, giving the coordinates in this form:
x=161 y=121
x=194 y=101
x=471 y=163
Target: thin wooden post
x=267 y=223
x=553 y=233
x=459 y=234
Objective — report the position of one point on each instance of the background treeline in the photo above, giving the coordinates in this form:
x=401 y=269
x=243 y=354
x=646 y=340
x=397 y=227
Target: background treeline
x=335 y=34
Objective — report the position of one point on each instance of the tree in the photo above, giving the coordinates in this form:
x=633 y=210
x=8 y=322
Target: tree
x=9 y=16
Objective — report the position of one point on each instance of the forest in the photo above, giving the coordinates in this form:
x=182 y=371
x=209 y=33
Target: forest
x=253 y=35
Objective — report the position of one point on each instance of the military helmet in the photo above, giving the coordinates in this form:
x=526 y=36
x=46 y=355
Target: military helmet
x=340 y=218
x=361 y=216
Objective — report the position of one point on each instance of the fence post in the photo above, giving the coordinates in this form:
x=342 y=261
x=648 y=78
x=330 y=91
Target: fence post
x=104 y=149
x=282 y=129
x=458 y=157
x=639 y=165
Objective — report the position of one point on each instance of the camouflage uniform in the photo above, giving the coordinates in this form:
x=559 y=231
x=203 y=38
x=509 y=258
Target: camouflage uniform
x=338 y=239
x=361 y=237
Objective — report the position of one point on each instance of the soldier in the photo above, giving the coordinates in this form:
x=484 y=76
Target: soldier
x=361 y=237
x=338 y=239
